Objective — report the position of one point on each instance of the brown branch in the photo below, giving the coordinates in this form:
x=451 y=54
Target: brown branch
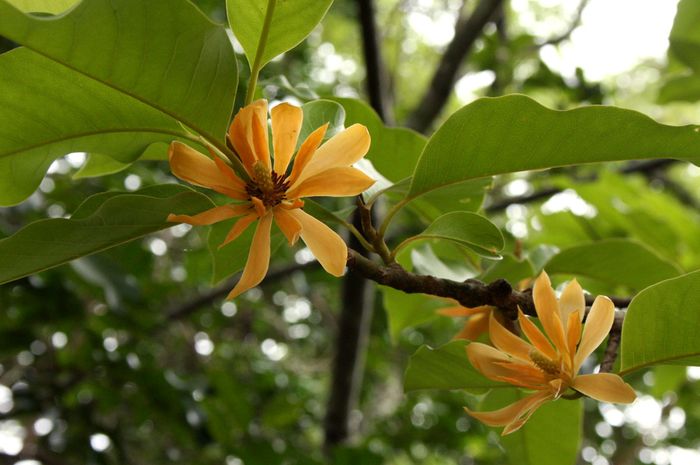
x=467 y=31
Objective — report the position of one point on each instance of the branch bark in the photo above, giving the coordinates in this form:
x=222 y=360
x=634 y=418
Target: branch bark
x=467 y=31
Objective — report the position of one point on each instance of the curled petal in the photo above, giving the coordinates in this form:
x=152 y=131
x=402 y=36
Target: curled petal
x=286 y=125
x=343 y=149
x=211 y=216
x=241 y=133
x=573 y=333
x=547 y=309
x=288 y=224
x=335 y=182
x=238 y=228
x=512 y=416
x=196 y=168
x=498 y=366
x=306 y=153
x=258 y=258
x=458 y=310
x=535 y=336
x=507 y=341
x=605 y=387
x=572 y=300
x=326 y=245
x=597 y=327
x=474 y=327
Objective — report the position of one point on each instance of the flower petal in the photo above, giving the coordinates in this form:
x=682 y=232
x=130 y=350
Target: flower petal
x=458 y=310
x=474 y=327
x=335 y=182
x=510 y=414
x=605 y=387
x=238 y=228
x=196 y=168
x=572 y=300
x=498 y=366
x=258 y=258
x=343 y=149
x=507 y=341
x=548 y=312
x=211 y=216
x=241 y=133
x=326 y=245
x=286 y=125
x=573 y=335
x=306 y=153
x=597 y=327
x=288 y=224
x=535 y=336
x=260 y=140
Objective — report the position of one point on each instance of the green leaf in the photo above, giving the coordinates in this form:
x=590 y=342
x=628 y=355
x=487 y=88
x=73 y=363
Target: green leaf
x=164 y=53
x=394 y=151
x=47 y=110
x=514 y=133
x=552 y=436
x=468 y=230
x=407 y=310
x=685 y=88
x=446 y=367
x=509 y=268
x=43 y=6
x=101 y=222
x=614 y=261
x=661 y=325
x=291 y=22
x=685 y=35
x=318 y=113
x=100 y=165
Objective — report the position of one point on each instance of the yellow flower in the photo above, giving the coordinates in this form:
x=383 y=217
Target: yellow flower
x=477 y=322
x=548 y=364
x=274 y=190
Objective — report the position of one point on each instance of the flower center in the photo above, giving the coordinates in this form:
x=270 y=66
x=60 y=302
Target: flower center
x=267 y=186
x=544 y=363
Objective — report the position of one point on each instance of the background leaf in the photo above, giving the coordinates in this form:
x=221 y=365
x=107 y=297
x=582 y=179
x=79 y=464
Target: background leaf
x=292 y=21
x=318 y=113
x=661 y=325
x=406 y=310
x=101 y=222
x=614 y=261
x=468 y=230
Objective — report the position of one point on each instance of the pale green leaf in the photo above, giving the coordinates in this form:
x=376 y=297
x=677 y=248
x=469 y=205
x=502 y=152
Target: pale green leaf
x=291 y=22
x=318 y=113
x=468 y=230
x=661 y=325
x=43 y=6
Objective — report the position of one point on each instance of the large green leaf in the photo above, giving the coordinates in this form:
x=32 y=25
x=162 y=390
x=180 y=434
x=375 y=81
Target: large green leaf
x=165 y=53
x=291 y=22
x=446 y=367
x=614 y=261
x=661 y=325
x=552 y=436
x=47 y=110
x=514 y=133
x=468 y=230
x=102 y=221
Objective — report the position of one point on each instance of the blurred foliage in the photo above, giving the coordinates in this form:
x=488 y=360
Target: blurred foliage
x=104 y=360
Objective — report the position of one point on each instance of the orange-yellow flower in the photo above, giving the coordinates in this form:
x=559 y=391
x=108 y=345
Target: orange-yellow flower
x=549 y=363
x=274 y=191
x=477 y=320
